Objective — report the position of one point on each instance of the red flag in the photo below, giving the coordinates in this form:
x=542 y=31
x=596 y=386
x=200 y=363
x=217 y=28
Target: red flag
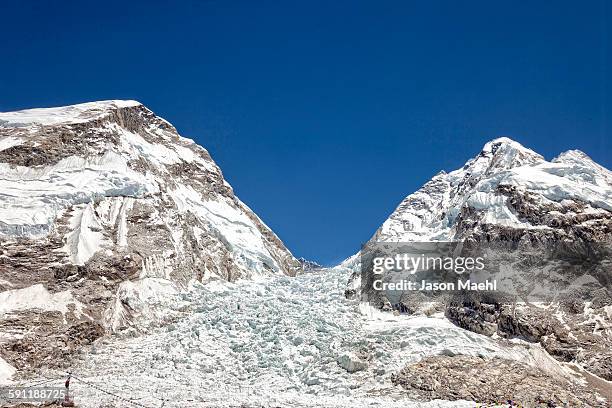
x=68 y=382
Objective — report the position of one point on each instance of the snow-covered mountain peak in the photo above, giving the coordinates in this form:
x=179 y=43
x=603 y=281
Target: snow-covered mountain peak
x=580 y=160
x=573 y=155
x=501 y=154
x=78 y=113
x=113 y=196
x=506 y=143
x=494 y=187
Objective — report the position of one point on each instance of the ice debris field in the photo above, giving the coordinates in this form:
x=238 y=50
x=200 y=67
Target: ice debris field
x=277 y=341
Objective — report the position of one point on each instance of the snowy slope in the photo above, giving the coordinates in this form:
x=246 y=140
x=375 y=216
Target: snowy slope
x=37 y=297
x=80 y=113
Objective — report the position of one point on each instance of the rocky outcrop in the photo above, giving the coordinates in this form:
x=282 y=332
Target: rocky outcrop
x=583 y=336
x=45 y=339
x=493 y=381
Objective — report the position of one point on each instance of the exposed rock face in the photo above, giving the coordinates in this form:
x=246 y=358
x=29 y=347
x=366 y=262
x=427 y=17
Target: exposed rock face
x=106 y=202
x=568 y=336
x=509 y=197
x=47 y=342
x=492 y=381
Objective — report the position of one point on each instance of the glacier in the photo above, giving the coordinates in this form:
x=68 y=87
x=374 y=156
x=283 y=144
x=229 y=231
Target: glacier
x=275 y=341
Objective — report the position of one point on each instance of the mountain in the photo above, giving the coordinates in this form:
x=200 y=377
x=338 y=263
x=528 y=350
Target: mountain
x=510 y=198
x=111 y=222
x=505 y=187
x=105 y=208
x=309 y=266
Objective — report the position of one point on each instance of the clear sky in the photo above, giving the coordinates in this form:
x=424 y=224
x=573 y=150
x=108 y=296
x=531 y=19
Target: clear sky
x=323 y=115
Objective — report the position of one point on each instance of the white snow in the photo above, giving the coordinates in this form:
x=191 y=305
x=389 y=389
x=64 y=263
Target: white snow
x=6 y=372
x=140 y=303
x=181 y=150
x=137 y=146
x=66 y=114
x=32 y=198
x=37 y=297
x=232 y=225
x=86 y=237
x=9 y=141
x=122 y=228
x=585 y=166
x=558 y=182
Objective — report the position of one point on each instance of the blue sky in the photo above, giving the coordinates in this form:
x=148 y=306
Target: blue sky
x=324 y=115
